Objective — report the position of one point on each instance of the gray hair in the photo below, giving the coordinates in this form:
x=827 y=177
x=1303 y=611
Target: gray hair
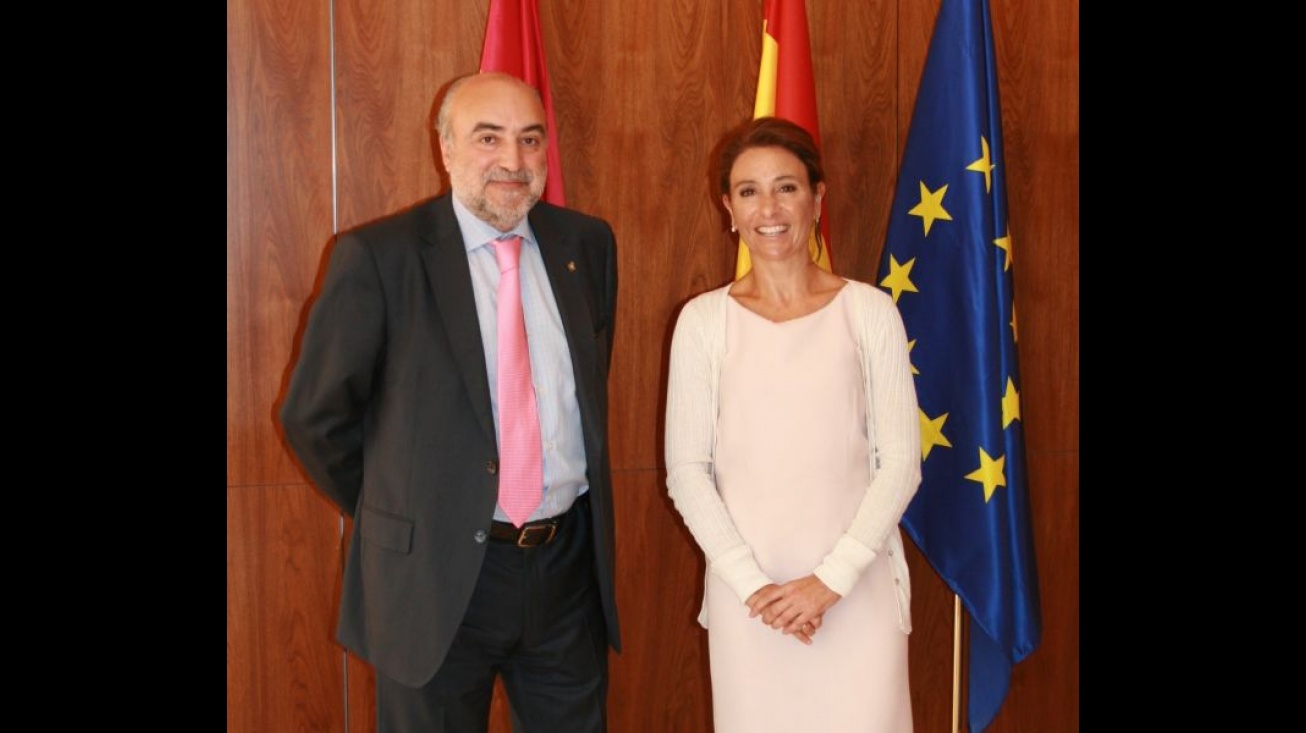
x=442 y=117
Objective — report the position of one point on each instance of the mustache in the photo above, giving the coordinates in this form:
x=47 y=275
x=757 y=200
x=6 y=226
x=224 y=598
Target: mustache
x=503 y=174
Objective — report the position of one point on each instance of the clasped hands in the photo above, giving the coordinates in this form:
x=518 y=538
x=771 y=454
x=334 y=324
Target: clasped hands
x=796 y=607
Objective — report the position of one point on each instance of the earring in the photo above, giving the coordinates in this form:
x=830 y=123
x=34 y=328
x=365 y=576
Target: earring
x=732 y=227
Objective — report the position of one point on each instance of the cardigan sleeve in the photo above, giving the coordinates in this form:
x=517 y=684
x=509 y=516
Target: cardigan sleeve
x=697 y=345
x=893 y=427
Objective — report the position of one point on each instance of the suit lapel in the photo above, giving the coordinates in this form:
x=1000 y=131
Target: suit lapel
x=562 y=260
x=451 y=281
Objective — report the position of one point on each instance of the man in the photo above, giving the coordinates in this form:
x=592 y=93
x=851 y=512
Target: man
x=396 y=409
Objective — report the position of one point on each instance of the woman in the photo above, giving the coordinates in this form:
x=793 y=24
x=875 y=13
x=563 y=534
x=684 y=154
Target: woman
x=793 y=448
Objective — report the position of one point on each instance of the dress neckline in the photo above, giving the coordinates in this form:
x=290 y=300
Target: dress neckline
x=795 y=319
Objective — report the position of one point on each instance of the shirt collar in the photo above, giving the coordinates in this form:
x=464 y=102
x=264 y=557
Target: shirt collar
x=477 y=233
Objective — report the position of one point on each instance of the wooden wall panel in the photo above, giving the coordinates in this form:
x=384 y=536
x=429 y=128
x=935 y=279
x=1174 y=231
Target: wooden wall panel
x=929 y=650
x=361 y=687
x=643 y=92
x=659 y=595
x=278 y=213
x=283 y=672
x=1037 y=50
x=1044 y=691
x=855 y=69
x=675 y=76
x=1044 y=694
x=1038 y=57
x=913 y=31
x=393 y=57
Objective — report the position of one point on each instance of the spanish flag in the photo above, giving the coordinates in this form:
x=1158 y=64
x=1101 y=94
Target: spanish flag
x=513 y=46
x=786 y=88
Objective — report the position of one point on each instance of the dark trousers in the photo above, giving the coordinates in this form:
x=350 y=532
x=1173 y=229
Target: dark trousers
x=535 y=620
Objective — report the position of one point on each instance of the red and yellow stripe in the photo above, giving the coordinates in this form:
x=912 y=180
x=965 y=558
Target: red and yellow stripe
x=786 y=88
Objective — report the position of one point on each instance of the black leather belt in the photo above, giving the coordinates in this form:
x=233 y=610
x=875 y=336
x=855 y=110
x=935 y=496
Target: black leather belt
x=533 y=534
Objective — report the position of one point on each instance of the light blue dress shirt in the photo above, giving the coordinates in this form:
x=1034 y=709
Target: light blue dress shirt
x=551 y=370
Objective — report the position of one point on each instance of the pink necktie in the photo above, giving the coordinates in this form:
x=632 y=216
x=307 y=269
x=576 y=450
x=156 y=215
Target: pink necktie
x=521 y=467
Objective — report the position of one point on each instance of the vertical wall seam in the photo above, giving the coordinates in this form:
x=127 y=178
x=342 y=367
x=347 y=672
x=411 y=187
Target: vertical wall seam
x=335 y=229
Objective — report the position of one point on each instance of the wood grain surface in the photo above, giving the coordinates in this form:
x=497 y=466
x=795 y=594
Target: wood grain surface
x=330 y=115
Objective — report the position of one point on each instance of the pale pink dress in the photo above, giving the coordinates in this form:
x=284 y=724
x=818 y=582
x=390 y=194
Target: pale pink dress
x=791 y=466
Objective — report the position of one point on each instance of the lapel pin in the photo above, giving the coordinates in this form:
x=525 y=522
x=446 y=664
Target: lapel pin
x=571 y=266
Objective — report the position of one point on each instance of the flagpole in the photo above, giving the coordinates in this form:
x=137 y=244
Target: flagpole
x=956 y=660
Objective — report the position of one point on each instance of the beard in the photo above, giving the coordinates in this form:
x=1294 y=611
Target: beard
x=504 y=210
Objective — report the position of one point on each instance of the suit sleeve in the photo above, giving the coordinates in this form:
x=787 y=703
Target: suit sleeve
x=334 y=377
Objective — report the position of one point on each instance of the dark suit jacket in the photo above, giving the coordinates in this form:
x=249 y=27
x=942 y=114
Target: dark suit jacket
x=388 y=411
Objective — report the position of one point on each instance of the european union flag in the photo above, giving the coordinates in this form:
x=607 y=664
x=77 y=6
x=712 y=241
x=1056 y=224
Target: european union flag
x=948 y=264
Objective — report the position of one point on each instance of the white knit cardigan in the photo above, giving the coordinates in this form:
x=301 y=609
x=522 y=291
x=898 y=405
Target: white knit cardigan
x=892 y=422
